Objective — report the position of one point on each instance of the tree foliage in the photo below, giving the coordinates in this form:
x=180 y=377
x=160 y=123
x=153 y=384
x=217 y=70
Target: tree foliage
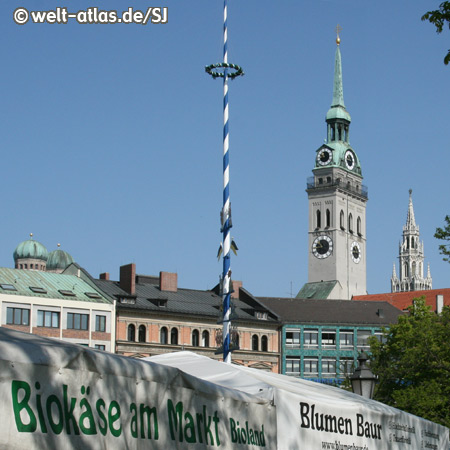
x=413 y=364
x=439 y=18
x=444 y=234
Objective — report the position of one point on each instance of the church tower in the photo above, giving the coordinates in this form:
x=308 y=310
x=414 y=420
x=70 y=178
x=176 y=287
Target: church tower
x=411 y=258
x=337 y=209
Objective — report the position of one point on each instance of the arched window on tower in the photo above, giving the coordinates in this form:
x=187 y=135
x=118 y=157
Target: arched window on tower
x=412 y=242
x=141 y=333
x=131 y=333
x=163 y=335
x=255 y=343
x=318 y=219
x=174 y=336
x=340 y=132
x=332 y=133
x=328 y=218
x=342 y=220
x=350 y=223
x=358 y=226
x=205 y=339
x=195 y=338
x=413 y=269
x=405 y=269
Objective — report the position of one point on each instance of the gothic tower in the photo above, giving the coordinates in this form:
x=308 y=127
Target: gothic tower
x=337 y=209
x=411 y=258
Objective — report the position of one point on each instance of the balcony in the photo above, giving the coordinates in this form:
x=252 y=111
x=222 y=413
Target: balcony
x=359 y=189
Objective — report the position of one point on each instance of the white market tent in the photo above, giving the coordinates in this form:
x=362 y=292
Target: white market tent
x=314 y=416
x=65 y=396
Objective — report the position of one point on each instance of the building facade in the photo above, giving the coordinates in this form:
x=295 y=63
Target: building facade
x=56 y=305
x=337 y=207
x=155 y=316
x=411 y=258
x=321 y=339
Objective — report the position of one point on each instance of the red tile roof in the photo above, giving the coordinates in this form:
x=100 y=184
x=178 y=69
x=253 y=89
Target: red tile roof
x=402 y=300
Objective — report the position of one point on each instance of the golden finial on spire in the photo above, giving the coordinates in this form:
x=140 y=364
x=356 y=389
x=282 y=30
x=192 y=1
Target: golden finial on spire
x=31 y=235
x=338 y=30
x=59 y=245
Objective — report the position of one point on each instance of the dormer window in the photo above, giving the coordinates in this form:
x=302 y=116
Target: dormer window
x=162 y=302
x=261 y=315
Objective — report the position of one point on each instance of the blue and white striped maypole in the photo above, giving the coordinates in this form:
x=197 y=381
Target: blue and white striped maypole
x=226 y=210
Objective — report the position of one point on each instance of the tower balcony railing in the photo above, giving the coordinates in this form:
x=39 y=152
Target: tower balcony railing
x=358 y=189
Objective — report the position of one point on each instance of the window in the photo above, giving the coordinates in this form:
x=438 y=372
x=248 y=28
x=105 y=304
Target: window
x=293 y=338
x=205 y=339
x=92 y=295
x=358 y=226
x=100 y=323
x=310 y=367
x=328 y=218
x=48 y=319
x=346 y=339
x=8 y=287
x=142 y=333
x=350 y=223
x=341 y=220
x=255 y=343
x=328 y=367
x=17 y=316
x=362 y=337
x=99 y=347
x=174 y=336
x=293 y=367
x=310 y=338
x=264 y=344
x=195 y=338
x=131 y=333
x=328 y=338
x=163 y=335
x=346 y=366
x=318 y=219
x=261 y=315
x=38 y=290
x=381 y=336
x=76 y=321
x=67 y=293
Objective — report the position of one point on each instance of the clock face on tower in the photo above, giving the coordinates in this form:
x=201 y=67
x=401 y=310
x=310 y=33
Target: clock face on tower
x=349 y=159
x=322 y=247
x=324 y=156
x=355 y=249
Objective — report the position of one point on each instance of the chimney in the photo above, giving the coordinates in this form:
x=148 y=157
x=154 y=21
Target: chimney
x=236 y=285
x=104 y=276
x=168 y=281
x=128 y=278
x=439 y=303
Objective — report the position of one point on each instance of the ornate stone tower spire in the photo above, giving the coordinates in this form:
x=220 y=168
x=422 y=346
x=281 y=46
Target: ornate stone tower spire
x=411 y=258
x=337 y=208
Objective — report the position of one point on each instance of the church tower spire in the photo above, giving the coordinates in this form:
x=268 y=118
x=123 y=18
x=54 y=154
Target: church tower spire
x=337 y=208
x=411 y=258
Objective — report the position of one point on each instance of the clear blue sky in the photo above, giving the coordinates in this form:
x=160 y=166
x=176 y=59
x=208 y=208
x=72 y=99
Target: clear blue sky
x=111 y=135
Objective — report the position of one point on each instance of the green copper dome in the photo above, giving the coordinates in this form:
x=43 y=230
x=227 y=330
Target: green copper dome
x=58 y=260
x=30 y=249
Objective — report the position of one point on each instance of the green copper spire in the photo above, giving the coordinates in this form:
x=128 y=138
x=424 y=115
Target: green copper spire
x=338 y=89
x=337 y=110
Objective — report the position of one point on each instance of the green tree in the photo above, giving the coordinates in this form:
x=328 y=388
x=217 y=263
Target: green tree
x=439 y=18
x=444 y=234
x=413 y=363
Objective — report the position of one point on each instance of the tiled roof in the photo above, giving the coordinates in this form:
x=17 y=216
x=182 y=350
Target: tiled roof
x=183 y=301
x=331 y=311
x=32 y=283
x=402 y=300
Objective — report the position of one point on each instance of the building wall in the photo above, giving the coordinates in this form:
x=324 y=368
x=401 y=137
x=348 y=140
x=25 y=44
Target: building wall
x=55 y=313
x=266 y=360
x=300 y=352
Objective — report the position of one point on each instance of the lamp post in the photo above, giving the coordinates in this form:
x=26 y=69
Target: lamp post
x=363 y=380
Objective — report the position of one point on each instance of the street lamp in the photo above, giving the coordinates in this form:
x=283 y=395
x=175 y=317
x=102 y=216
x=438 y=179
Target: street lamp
x=363 y=380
